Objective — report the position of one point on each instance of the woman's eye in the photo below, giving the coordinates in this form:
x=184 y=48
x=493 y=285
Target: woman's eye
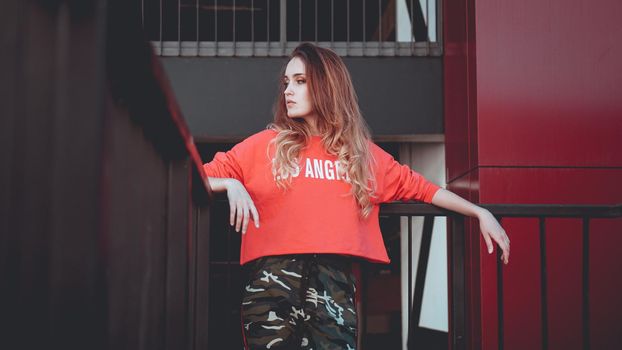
x=301 y=81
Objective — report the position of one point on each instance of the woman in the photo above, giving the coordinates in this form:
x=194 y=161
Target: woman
x=317 y=181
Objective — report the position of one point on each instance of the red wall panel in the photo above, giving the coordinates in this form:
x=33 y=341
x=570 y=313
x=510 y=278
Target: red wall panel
x=533 y=115
x=548 y=82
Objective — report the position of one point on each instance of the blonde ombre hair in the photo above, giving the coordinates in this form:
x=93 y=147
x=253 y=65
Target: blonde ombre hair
x=343 y=130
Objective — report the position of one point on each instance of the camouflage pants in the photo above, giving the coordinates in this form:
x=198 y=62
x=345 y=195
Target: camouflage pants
x=303 y=301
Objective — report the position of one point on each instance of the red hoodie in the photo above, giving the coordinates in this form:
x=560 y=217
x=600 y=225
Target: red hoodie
x=317 y=213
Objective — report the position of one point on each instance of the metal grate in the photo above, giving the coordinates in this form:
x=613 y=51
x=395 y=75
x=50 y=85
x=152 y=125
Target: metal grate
x=275 y=27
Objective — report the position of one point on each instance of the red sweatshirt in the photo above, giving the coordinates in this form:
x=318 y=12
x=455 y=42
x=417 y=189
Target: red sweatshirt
x=317 y=213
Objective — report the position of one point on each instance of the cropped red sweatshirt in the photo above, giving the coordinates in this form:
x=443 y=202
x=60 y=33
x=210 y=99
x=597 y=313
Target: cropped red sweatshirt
x=317 y=213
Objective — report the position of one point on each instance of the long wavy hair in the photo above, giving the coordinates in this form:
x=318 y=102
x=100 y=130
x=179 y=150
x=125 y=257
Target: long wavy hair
x=343 y=130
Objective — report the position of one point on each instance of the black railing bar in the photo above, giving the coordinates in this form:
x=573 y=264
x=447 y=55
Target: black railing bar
x=299 y=21
x=283 y=26
x=197 y=27
x=268 y=25
x=422 y=269
x=168 y=229
x=216 y=28
x=439 y=23
x=348 y=28
x=228 y=272
x=543 y=284
x=412 y=28
x=193 y=280
x=586 y=283
x=427 y=25
x=253 y=27
x=364 y=43
x=509 y=210
x=225 y=262
x=410 y=267
x=500 y=330
x=142 y=13
x=178 y=27
x=233 y=38
x=555 y=210
x=332 y=22
x=379 y=27
x=315 y=26
x=161 y=40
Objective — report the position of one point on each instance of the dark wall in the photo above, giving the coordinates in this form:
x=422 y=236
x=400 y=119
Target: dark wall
x=104 y=217
x=233 y=97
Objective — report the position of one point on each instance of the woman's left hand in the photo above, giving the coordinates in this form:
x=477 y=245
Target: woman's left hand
x=492 y=230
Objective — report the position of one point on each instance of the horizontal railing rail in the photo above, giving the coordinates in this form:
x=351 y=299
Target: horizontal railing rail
x=275 y=27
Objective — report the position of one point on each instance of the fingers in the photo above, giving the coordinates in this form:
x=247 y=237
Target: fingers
x=255 y=215
x=488 y=241
x=506 y=249
x=245 y=218
x=504 y=244
x=239 y=216
x=231 y=213
x=241 y=207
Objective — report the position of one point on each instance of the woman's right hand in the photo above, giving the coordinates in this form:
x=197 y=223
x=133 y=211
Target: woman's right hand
x=241 y=206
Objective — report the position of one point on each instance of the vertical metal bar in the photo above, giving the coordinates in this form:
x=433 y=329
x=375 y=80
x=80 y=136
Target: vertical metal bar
x=332 y=23
x=299 y=21
x=253 y=27
x=500 y=333
x=197 y=27
x=161 y=40
x=215 y=27
x=228 y=274
x=283 y=24
x=379 y=27
x=233 y=41
x=411 y=12
x=315 y=26
x=142 y=13
x=178 y=27
x=364 y=28
x=586 y=283
x=348 y=28
x=410 y=270
x=268 y=25
x=427 y=25
x=439 y=24
x=543 y=285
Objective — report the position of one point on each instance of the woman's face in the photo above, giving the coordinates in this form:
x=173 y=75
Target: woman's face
x=297 y=98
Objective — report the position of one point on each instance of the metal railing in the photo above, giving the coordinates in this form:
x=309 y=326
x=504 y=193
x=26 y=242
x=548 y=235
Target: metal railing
x=456 y=256
x=275 y=27
x=225 y=266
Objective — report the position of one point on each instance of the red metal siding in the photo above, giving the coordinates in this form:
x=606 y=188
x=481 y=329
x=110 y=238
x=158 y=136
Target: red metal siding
x=533 y=115
x=548 y=82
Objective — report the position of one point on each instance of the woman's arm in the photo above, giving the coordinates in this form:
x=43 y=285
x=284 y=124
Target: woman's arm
x=241 y=205
x=488 y=224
